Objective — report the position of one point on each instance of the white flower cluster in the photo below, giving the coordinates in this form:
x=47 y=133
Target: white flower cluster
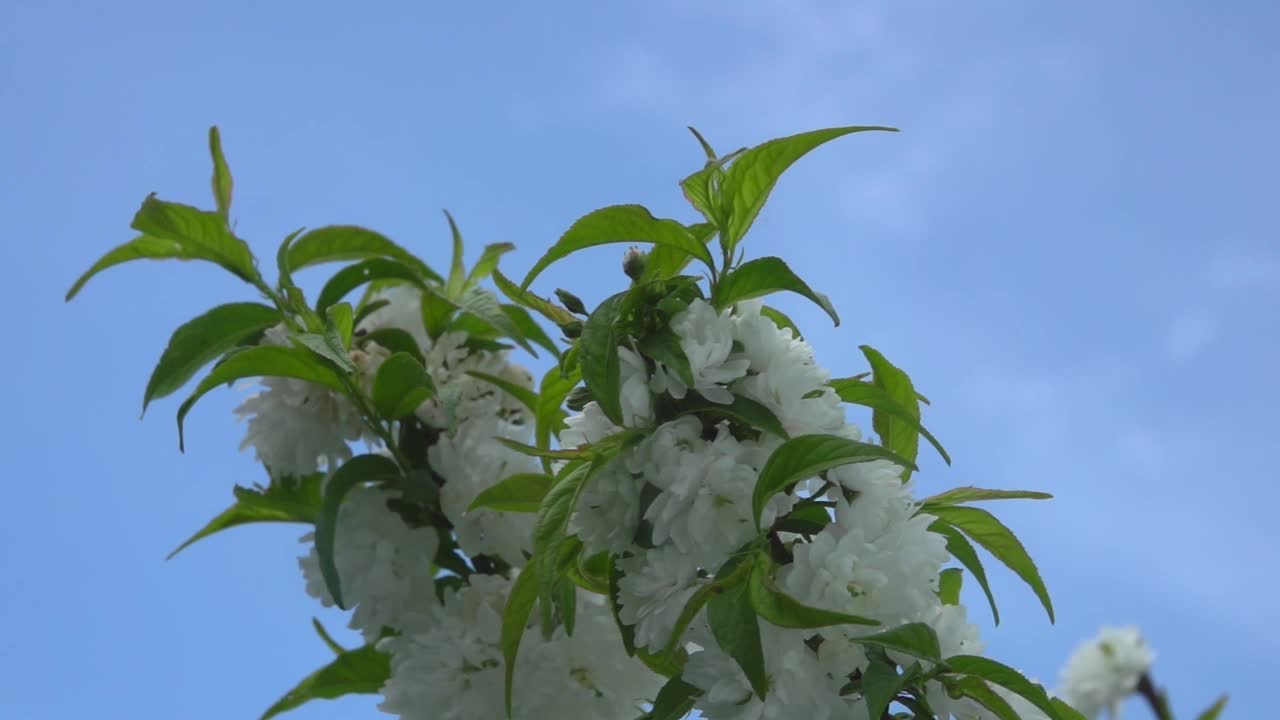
x=446 y=658
x=687 y=489
x=1105 y=670
x=454 y=670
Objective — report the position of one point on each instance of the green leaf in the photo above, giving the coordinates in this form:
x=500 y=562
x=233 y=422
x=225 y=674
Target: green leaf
x=764 y=276
x=980 y=691
x=201 y=340
x=326 y=637
x=400 y=386
x=337 y=243
x=566 y=599
x=917 y=639
x=326 y=346
x=779 y=608
x=394 y=340
x=457 y=273
x=482 y=304
x=529 y=328
x=620 y=224
x=666 y=261
x=782 y=321
x=601 y=368
x=1004 y=676
x=221 y=173
x=706 y=146
x=751 y=177
x=877 y=398
x=881 y=683
x=284 y=500
x=524 y=298
x=674 y=700
x=204 y=234
x=664 y=347
x=515 y=618
x=1214 y=710
x=960 y=495
x=960 y=548
x=359 y=469
x=628 y=632
x=549 y=418
x=743 y=409
x=143 y=247
x=734 y=625
x=262 y=361
x=488 y=261
x=807 y=455
x=531 y=451
x=897 y=435
x=361 y=671
x=949 y=584
x=367 y=307
x=521 y=393
x=1000 y=541
x=702 y=190
x=1066 y=712
x=353 y=276
x=522 y=492
x=341 y=320
x=806 y=519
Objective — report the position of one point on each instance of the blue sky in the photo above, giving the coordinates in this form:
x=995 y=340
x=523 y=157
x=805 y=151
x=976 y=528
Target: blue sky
x=1069 y=246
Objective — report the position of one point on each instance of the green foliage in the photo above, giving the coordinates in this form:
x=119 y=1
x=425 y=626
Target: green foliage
x=743 y=410
x=765 y=276
x=751 y=177
x=284 y=500
x=962 y=550
x=878 y=399
x=515 y=618
x=735 y=627
x=808 y=455
x=202 y=340
x=897 y=434
x=620 y=224
x=521 y=393
x=774 y=605
x=917 y=639
x=881 y=683
x=524 y=298
x=1214 y=710
x=366 y=271
x=340 y=243
x=949 y=584
x=983 y=528
x=960 y=495
x=674 y=700
x=262 y=361
x=358 y=470
x=1006 y=677
x=522 y=492
x=978 y=690
x=221 y=174
x=401 y=385
x=601 y=367
x=174 y=231
x=361 y=671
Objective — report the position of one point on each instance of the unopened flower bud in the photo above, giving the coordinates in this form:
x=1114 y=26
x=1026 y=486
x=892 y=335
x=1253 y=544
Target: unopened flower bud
x=633 y=263
x=572 y=302
x=572 y=330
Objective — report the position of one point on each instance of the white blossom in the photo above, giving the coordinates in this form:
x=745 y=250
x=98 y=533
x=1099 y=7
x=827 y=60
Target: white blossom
x=1103 y=671
x=706 y=337
x=384 y=565
x=655 y=587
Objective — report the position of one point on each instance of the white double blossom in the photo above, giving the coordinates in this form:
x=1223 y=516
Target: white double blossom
x=454 y=669
x=1105 y=670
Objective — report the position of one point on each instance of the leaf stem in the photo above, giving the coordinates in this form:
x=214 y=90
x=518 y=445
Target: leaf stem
x=1155 y=697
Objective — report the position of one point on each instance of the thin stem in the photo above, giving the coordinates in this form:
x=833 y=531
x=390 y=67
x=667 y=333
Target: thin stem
x=1155 y=697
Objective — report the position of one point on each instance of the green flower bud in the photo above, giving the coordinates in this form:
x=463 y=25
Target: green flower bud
x=572 y=302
